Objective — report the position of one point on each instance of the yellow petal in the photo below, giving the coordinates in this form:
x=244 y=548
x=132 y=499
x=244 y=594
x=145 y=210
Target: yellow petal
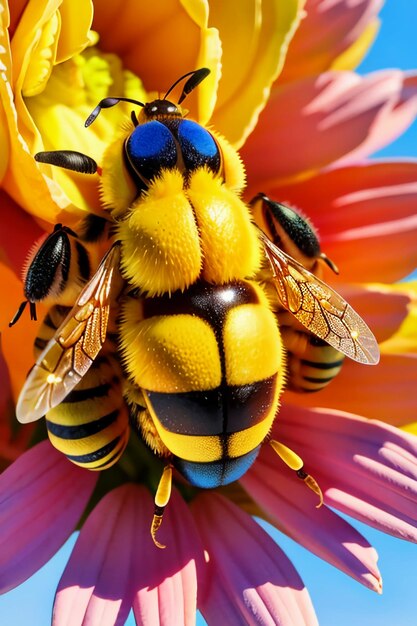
x=5 y=91
x=254 y=50
x=76 y=18
x=161 y=41
x=350 y=58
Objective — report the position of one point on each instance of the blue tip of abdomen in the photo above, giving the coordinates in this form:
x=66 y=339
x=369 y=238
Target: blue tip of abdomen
x=216 y=473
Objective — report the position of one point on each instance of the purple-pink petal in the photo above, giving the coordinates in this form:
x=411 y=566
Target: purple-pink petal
x=249 y=577
x=97 y=585
x=366 y=468
x=292 y=506
x=42 y=497
x=167 y=579
x=115 y=565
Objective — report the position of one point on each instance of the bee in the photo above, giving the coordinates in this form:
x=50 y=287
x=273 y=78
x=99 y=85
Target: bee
x=312 y=363
x=176 y=333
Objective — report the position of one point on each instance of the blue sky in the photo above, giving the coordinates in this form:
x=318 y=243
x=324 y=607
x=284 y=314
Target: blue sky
x=338 y=600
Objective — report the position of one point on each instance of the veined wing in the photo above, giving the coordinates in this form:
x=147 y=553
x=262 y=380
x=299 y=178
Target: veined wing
x=75 y=345
x=319 y=308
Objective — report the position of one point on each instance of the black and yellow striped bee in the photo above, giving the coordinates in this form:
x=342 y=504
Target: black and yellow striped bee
x=177 y=328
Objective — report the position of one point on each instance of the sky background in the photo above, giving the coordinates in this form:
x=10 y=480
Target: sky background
x=339 y=601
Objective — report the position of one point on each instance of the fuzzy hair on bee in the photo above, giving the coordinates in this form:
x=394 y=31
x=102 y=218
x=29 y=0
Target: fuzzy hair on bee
x=202 y=311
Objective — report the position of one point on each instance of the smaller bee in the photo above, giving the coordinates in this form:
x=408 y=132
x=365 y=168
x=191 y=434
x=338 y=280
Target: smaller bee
x=312 y=362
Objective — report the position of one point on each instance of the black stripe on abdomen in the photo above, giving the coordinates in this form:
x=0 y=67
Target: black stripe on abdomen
x=80 y=431
x=224 y=410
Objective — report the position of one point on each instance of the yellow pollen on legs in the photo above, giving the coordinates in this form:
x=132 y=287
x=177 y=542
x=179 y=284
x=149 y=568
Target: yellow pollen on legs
x=295 y=462
x=162 y=496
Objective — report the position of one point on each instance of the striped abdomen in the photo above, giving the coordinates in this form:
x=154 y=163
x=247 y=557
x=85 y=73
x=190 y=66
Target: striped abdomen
x=90 y=426
x=311 y=363
x=209 y=364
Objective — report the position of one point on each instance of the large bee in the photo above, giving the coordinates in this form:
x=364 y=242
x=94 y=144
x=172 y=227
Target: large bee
x=177 y=328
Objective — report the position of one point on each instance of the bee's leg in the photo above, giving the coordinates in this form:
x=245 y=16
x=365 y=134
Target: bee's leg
x=69 y=160
x=163 y=493
x=22 y=307
x=294 y=462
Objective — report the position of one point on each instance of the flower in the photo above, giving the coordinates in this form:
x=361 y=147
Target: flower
x=320 y=121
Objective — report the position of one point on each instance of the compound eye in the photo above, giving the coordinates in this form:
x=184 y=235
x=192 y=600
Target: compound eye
x=198 y=147
x=151 y=148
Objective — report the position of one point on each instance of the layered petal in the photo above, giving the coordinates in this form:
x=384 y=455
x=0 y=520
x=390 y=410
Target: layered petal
x=313 y=122
x=40 y=40
x=365 y=468
x=365 y=215
x=385 y=392
x=42 y=497
x=329 y=30
x=292 y=508
x=125 y=567
x=252 y=57
x=239 y=592
x=5 y=90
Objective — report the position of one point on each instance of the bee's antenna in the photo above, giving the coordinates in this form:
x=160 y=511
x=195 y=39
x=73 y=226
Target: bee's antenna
x=196 y=77
x=106 y=103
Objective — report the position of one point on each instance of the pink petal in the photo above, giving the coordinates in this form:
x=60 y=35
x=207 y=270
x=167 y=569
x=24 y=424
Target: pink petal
x=292 y=506
x=365 y=468
x=115 y=563
x=167 y=585
x=42 y=497
x=385 y=392
x=392 y=122
x=97 y=586
x=327 y=30
x=250 y=578
x=365 y=215
x=313 y=122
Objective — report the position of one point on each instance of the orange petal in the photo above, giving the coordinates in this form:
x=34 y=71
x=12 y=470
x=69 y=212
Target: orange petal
x=18 y=232
x=385 y=391
x=328 y=30
x=365 y=215
x=383 y=309
x=17 y=341
x=16 y=9
x=160 y=41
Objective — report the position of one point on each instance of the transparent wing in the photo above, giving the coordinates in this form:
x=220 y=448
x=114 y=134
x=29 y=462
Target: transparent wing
x=319 y=308
x=75 y=345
